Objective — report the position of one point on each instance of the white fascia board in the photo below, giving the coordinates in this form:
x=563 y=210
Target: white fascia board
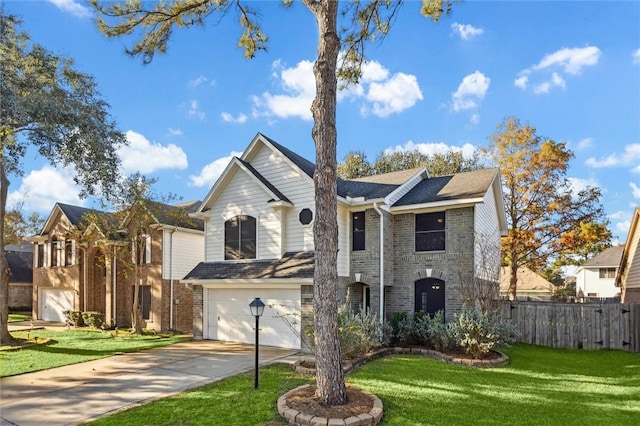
x=276 y=150
x=426 y=207
x=261 y=283
x=178 y=228
x=359 y=204
x=50 y=219
x=255 y=179
x=498 y=196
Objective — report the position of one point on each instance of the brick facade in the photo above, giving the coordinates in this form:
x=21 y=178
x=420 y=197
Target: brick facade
x=404 y=266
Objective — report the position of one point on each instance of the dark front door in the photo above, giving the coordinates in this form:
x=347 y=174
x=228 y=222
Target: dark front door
x=429 y=295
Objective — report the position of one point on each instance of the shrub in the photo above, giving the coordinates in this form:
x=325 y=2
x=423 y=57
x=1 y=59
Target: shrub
x=92 y=319
x=359 y=332
x=479 y=332
x=402 y=329
x=434 y=331
x=74 y=318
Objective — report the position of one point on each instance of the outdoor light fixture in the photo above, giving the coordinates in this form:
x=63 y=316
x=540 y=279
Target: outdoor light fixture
x=257 y=308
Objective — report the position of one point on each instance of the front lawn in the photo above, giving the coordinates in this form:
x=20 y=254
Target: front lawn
x=73 y=346
x=541 y=386
x=19 y=316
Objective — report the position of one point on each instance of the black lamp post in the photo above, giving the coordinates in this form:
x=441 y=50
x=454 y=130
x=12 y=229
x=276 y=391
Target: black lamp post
x=257 y=308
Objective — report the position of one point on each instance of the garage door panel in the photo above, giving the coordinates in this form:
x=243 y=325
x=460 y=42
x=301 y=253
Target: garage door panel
x=53 y=302
x=230 y=319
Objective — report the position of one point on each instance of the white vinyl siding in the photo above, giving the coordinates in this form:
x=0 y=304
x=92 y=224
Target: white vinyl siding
x=298 y=188
x=633 y=261
x=487 y=228
x=588 y=281
x=243 y=196
x=188 y=251
x=344 y=225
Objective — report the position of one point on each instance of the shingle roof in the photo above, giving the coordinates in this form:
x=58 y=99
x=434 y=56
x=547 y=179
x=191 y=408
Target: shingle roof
x=454 y=187
x=21 y=265
x=610 y=258
x=76 y=214
x=291 y=265
x=264 y=180
x=393 y=178
x=176 y=215
x=307 y=166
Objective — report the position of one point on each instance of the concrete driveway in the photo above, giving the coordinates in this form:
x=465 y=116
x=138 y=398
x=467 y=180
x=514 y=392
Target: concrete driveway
x=77 y=393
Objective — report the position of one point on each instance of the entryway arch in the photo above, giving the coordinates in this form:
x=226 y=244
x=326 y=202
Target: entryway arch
x=429 y=295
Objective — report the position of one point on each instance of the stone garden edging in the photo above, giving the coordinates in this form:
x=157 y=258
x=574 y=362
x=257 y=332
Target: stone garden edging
x=348 y=366
x=295 y=417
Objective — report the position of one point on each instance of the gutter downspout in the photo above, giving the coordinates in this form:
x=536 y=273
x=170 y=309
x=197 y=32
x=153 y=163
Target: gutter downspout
x=375 y=207
x=171 y=278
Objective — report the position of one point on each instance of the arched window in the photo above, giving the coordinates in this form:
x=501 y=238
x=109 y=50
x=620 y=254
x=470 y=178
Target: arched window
x=240 y=238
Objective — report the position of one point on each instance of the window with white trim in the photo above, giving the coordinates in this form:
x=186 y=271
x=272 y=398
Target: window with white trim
x=240 y=238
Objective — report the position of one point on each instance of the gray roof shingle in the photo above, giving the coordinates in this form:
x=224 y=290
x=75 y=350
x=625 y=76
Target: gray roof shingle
x=610 y=258
x=291 y=265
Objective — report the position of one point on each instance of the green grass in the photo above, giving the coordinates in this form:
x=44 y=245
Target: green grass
x=230 y=402
x=19 y=316
x=73 y=346
x=540 y=386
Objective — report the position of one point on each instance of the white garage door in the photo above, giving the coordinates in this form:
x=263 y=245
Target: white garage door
x=53 y=302
x=229 y=317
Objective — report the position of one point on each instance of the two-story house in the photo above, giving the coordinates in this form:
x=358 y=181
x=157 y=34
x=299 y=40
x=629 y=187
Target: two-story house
x=597 y=276
x=406 y=241
x=86 y=260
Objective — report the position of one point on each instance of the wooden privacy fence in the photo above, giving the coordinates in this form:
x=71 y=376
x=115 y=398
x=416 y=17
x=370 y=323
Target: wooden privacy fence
x=577 y=326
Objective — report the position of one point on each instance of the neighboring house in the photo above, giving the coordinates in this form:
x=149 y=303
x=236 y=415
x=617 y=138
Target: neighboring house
x=20 y=260
x=628 y=278
x=530 y=285
x=77 y=267
x=405 y=240
x=597 y=276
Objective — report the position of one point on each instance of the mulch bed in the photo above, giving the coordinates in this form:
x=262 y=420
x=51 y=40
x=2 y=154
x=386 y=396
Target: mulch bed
x=305 y=401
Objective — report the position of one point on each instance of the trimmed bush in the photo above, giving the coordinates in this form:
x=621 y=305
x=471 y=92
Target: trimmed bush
x=434 y=331
x=93 y=319
x=359 y=332
x=73 y=318
x=402 y=330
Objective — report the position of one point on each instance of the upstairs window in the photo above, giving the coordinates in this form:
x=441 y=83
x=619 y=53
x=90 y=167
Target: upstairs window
x=430 y=234
x=55 y=253
x=40 y=256
x=607 y=272
x=358 y=227
x=240 y=238
x=69 y=252
x=141 y=249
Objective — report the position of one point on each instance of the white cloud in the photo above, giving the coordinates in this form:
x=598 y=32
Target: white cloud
x=228 y=118
x=175 y=132
x=551 y=67
x=41 y=189
x=200 y=80
x=585 y=143
x=73 y=7
x=298 y=83
x=431 y=148
x=578 y=184
x=466 y=31
x=630 y=156
x=475 y=118
x=212 y=171
x=393 y=95
x=635 y=56
x=623 y=227
x=470 y=91
x=194 y=110
x=521 y=82
x=635 y=190
x=571 y=60
x=146 y=157
x=383 y=93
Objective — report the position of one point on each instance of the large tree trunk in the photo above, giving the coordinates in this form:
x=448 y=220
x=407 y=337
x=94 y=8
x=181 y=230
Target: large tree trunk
x=5 y=337
x=513 y=281
x=330 y=384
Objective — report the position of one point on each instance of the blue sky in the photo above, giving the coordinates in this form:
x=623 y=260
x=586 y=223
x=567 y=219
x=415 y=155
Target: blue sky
x=570 y=69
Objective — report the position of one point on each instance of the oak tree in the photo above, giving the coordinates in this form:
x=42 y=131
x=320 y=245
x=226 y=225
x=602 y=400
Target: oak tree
x=340 y=54
x=48 y=104
x=544 y=213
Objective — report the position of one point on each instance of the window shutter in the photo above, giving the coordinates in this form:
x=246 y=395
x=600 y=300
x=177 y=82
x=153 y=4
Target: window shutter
x=35 y=255
x=73 y=252
x=133 y=249
x=147 y=249
x=46 y=260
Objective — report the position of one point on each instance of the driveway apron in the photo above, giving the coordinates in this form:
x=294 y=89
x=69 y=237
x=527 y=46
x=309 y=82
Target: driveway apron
x=77 y=393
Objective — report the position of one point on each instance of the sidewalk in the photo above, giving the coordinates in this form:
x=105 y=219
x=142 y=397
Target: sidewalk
x=77 y=393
